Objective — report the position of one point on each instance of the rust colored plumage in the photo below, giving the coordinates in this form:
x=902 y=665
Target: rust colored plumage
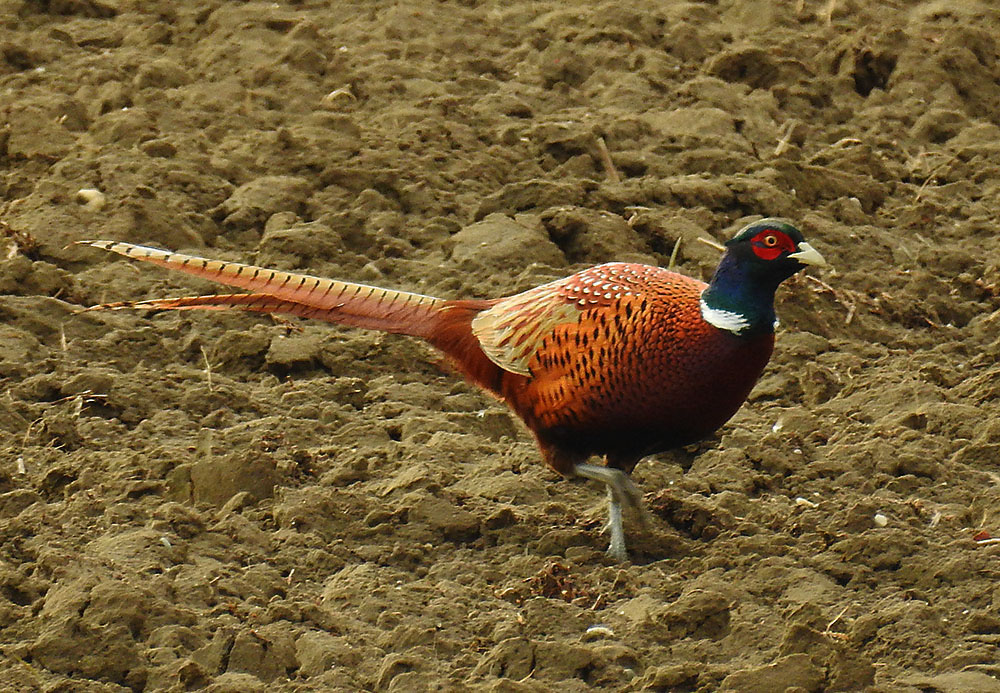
x=623 y=372
x=621 y=360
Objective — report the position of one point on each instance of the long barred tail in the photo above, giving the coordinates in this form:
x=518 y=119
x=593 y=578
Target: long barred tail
x=256 y=303
x=357 y=305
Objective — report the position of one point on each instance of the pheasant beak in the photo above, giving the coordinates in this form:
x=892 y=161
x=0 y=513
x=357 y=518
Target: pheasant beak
x=808 y=255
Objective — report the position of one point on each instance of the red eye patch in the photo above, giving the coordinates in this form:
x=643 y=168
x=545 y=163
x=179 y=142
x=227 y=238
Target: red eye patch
x=769 y=244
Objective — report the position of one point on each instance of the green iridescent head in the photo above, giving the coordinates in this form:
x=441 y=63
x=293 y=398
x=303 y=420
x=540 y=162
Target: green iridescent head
x=740 y=297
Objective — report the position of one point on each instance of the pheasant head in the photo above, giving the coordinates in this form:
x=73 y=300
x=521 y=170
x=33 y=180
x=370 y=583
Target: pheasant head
x=740 y=296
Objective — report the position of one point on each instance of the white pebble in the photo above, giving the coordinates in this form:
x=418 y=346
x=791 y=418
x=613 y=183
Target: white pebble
x=337 y=97
x=806 y=502
x=880 y=520
x=598 y=632
x=91 y=199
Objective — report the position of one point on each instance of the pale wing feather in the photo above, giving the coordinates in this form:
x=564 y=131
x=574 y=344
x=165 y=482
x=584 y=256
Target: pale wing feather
x=513 y=330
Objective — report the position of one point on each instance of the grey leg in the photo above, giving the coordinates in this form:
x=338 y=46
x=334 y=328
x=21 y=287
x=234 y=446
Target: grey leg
x=616 y=529
x=621 y=492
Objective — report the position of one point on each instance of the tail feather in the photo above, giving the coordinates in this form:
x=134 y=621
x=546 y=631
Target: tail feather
x=447 y=325
x=257 y=303
x=357 y=305
x=453 y=335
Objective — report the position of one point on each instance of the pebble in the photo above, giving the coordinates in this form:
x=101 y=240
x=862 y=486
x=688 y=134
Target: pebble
x=598 y=632
x=91 y=199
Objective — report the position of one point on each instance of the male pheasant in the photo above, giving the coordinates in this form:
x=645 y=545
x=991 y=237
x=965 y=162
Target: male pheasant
x=621 y=360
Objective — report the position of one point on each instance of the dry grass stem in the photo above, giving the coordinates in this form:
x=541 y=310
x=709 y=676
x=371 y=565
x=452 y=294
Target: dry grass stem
x=674 y=252
x=712 y=243
x=605 y=158
x=208 y=370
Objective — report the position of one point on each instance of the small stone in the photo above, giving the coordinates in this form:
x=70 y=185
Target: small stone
x=91 y=199
x=338 y=98
x=598 y=632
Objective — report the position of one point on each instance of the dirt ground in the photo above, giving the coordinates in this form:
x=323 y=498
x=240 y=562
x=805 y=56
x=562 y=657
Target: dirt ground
x=228 y=502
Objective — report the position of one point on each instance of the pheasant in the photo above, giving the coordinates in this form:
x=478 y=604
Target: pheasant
x=621 y=360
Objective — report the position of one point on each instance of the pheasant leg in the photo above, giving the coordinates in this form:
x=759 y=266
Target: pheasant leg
x=621 y=493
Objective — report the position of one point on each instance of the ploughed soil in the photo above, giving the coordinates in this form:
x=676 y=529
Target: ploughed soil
x=231 y=502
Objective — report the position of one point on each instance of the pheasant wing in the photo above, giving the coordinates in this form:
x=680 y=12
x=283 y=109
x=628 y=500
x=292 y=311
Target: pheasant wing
x=513 y=330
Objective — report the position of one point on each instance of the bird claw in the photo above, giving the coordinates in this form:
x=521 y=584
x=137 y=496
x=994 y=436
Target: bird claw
x=617 y=551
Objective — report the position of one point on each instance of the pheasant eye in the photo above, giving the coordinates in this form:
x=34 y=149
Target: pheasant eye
x=770 y=244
